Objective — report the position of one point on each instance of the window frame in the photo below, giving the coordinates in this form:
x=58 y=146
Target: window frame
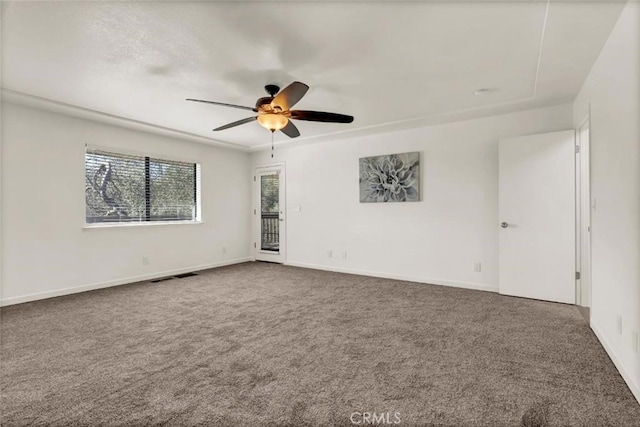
x=147 y=157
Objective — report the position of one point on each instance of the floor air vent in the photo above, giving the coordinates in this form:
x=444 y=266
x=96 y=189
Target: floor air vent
x=161 y=280
x=177 y=276
x=182 y=276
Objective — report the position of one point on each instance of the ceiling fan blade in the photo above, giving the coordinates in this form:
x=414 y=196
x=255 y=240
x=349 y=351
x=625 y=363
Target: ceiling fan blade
x=239 y=122
x=291 y=130
x=290 y=95
x=320 y=116
x=242 y=107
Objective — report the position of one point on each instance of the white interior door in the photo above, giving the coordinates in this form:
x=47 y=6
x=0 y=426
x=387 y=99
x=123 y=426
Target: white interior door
x=269 y=213
x=537 y=215
x=584 y=217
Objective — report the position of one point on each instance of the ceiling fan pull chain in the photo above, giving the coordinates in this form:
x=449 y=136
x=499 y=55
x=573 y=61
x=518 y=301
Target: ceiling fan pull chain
x=272 y=132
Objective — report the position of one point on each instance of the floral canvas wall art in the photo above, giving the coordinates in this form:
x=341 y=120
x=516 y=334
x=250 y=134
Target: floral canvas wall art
x=390 y=178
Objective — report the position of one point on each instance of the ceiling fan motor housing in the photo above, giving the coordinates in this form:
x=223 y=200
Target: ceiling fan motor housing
x=264 y=104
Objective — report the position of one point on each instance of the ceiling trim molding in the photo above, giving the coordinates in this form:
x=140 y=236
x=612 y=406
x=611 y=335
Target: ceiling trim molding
x=422 y=121
x=539 y=64
x=524 y=104
x=21 y=98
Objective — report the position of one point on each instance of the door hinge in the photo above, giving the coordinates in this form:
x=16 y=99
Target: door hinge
x=254 y=178
x=254 y=244
x=254 y=211
x=577 y=149
x=577 y=275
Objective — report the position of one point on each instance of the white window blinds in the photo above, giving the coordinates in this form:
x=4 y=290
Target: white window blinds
x=129 y=188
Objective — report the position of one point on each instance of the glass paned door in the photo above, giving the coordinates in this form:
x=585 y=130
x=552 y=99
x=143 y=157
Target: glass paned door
x=270 y=214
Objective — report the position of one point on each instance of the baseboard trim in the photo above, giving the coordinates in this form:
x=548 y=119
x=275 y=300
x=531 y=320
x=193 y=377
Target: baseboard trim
x=107 y=284
x=454 y=284
x=626 y=376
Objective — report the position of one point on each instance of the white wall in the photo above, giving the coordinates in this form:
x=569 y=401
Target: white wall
x=46 y=251
x=613 y=92
x=436 y=240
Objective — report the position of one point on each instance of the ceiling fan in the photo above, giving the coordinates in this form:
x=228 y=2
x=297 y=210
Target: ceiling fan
x=274 y=111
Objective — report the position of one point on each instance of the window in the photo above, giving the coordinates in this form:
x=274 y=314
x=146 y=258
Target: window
x=269 y=212
x=130 y=188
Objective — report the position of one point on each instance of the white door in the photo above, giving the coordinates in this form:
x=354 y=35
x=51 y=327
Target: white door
x=584 y=218
x=269 y=214
x=537 y=216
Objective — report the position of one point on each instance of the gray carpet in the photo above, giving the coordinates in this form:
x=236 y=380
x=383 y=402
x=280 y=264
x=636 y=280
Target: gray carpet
x=266 y=345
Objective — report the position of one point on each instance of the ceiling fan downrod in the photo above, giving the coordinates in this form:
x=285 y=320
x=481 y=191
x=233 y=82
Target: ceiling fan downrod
x=272 y=90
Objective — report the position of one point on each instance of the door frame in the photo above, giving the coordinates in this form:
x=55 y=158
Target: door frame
x=258 y=254
x=583 y=213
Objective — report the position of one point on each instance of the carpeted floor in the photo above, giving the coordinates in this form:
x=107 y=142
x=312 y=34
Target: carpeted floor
x=261 y=344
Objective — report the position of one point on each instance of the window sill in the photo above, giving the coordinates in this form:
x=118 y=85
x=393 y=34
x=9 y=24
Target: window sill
x=138 y=224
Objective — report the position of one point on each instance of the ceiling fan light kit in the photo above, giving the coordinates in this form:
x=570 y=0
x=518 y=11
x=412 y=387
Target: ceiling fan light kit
x=272 y=122
x=274 y=111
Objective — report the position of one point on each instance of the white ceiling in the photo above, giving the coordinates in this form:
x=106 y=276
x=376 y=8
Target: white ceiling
x=390 y=64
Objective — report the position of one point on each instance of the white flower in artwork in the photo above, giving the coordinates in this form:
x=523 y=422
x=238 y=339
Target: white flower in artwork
x=391 y=178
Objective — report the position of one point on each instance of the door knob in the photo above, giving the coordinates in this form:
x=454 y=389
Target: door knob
x=504 y=225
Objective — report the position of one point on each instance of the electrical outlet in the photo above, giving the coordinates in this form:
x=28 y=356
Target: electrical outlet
x=224 y=249
x=477 y=267
x=344 y=255
x=619 y=324
x=330 y=253
x=145 y=260
x=634 y=341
